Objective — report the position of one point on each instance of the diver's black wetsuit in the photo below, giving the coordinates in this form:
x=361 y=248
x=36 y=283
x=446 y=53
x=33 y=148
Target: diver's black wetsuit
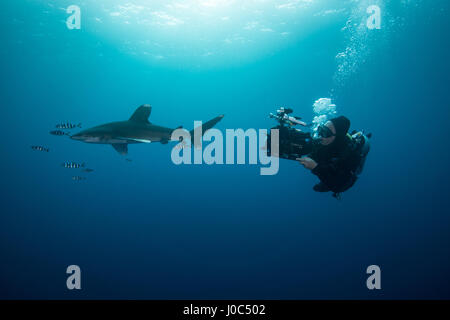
x=336 y=164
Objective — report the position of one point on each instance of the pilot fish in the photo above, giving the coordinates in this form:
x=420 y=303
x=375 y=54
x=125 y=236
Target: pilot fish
x=59 y=133
x=68 y=125
x=78 y=178
x=72 y=165
x=40 y=148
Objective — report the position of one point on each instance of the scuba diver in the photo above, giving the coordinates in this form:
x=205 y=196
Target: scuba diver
x=334 y=156
x=338 y=157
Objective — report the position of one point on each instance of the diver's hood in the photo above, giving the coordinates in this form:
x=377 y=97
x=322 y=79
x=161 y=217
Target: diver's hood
x=342 y=125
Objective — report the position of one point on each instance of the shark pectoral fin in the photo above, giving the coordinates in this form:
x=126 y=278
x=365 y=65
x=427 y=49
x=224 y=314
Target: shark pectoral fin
x=141 y=140
x=135 y=140
x=121 y=148
x=141 y=114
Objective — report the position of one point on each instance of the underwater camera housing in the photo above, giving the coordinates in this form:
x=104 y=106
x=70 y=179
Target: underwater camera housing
x=293 y=143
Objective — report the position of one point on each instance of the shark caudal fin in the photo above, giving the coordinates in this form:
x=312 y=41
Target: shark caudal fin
x=206 y=126
x=121 y=148
x=141 y=114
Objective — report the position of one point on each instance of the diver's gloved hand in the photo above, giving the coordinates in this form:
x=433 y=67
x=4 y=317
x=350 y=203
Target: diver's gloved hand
x=307 y=162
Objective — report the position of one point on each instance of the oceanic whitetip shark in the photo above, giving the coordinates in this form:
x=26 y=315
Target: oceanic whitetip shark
x=137 y=129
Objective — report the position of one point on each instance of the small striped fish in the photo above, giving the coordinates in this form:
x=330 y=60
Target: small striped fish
x=78 y=178
x=40 y=148
x=59 y=133
x=68 y=125
x=72 y=165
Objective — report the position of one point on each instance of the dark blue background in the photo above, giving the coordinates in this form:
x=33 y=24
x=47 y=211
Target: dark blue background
x=150 y=229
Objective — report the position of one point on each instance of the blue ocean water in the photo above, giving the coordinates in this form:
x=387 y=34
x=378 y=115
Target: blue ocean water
x=148 y=229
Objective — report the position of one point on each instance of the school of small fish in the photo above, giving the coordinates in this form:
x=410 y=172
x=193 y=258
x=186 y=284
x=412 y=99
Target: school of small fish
x=69 y=164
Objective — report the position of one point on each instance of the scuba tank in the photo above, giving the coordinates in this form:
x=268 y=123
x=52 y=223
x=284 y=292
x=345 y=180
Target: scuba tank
x=361 y=145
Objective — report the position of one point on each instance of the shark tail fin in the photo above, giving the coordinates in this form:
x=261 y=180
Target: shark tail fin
x=205 y=127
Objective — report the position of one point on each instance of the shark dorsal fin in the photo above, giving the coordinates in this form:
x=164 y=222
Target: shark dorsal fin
x=141 y=114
